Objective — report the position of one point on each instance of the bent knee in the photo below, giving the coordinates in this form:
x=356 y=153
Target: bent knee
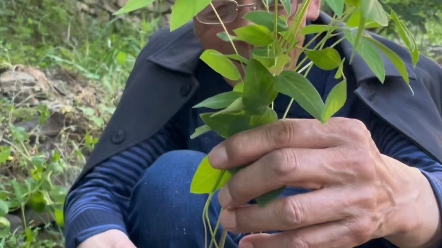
x=176 y=162
x=187 y=158
x=171 y=171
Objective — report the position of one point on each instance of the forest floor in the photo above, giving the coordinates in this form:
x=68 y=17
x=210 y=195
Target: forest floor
x=60 y=81
x=49 y=120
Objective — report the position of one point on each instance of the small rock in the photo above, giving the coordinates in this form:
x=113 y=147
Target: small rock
x=121 y=3
x=51 y=128
x=16 y=223
x=11 y=78
x=38 y=219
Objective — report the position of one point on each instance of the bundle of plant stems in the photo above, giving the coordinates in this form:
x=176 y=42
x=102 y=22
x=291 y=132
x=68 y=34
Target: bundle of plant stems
x=271 y=71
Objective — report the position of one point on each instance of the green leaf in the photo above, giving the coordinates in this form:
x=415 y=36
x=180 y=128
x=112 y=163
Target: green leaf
x=369 y=54
x=255 y=35
x=121 y=58
x=248 y=121
x=263 y=52
x=299 y=88
x=206 y=178
x=397 y=61
x=326 y=59
x=221 y=64
x=269 y=197
x=236 y=106
x=258 y=86
x=133 y=5
x=265 y=61
x=228 y=124
x=239 y=88
x=59 y=217
x=237 y=57
x=4 y=223
x=222 y=100
x=337 y=6
x=406 y=37
x=38 y=201
x=221 y=123
x=360 y=30
x=226 y=37
x=4 y=155
x=266 y=117
x=17 y=190
x=335 y=101
x=267 y=20
x=355 y=3
x=200 y=131
x=354 y=21
x=315 y=29
x=184 y=10
x=4 y=208
x=373 y=10
x=340 y=72
x=281 y=61
x=287 y=6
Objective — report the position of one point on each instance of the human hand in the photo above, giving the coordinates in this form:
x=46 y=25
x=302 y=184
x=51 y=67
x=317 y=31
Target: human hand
x=108 y=239
x=357 y=193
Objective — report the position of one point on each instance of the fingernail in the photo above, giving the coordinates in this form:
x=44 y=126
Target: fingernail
x=224 y=198
x=227 y=220
x=218 y=156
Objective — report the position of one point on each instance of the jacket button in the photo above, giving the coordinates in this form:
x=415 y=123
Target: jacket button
x=185 y=90
x=118 y=136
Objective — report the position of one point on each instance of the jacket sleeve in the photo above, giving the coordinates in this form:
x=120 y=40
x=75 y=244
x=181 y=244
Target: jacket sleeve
x=100 y=200
x=394 y=144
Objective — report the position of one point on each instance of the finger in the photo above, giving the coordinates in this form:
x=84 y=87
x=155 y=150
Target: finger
x=246 y=147
x=327 y=235
x=303 y=168
x=289 y=213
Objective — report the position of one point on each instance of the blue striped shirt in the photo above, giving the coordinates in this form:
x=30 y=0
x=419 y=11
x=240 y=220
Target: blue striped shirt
x=101 y=200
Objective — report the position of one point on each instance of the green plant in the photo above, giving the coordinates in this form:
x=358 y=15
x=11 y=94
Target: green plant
x=37 y=169
x=271 y=71
x=36 y=188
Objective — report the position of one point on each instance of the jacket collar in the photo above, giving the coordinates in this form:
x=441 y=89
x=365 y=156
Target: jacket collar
x=182 y=54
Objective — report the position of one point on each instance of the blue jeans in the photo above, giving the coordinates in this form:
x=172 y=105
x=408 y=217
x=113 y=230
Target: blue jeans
x=164 y=214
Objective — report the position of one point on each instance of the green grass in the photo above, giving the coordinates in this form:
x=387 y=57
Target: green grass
x=55 y=37
x=98 y=55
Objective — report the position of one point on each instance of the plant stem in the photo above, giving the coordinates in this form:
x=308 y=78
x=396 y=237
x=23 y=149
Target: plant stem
x=228 y=35
x=223 y=239
x=206 y=212
x=206 y=218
